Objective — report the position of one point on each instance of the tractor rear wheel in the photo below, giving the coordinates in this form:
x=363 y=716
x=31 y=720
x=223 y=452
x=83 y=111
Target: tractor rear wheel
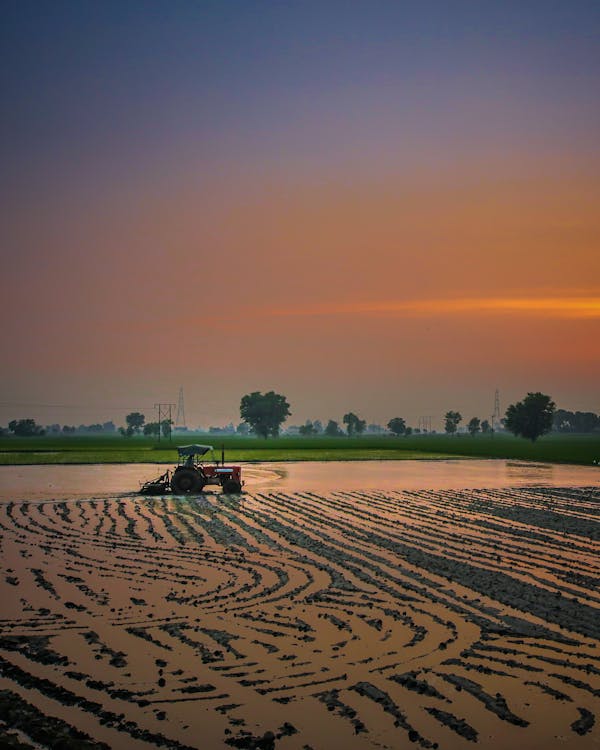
x=231 y=487
x=186 y=481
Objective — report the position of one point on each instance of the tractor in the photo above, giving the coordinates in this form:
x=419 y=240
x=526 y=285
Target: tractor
x=191 y=475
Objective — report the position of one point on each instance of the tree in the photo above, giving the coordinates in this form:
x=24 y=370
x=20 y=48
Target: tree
x=242 y=429
x=332 y=429
x=165 y=426
x=586 y=421
x=485 y=427
x=580 y=421
x=452 y=420
x=26 y=428
x=135 y=422
x=318 y=426
x=563 y=420
x=354 y=425
x=408 y=431
x=264 y=413
x=397 y=425
x=474 y=426
x=151 y=428
x=307 y=429
x=531 y=417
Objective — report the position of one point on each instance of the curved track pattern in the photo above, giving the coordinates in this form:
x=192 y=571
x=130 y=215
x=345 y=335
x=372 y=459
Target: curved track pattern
x=352 y=620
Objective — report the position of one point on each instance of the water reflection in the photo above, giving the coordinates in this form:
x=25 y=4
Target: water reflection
x=60 y=482
x=518 y=472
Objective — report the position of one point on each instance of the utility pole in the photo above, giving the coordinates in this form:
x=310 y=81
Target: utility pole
x=180 y=419
x=164 y=412
x=496 y=415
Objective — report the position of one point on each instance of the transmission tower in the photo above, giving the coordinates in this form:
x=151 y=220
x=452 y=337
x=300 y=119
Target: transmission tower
x=164 y=414
x=496 y=424
x=180 y=420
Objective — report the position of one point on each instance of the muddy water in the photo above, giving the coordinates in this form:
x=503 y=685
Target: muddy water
x=101 y=480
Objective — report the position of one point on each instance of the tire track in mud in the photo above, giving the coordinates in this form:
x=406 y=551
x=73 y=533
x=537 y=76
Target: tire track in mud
x=356 y=619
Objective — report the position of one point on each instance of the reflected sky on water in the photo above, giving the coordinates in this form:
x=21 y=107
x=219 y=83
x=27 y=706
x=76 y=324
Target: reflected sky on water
x=106 y=480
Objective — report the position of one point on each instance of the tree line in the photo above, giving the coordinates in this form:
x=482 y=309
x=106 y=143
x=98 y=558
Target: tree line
x=30 y=428
x=263 y=414
x=530 y=418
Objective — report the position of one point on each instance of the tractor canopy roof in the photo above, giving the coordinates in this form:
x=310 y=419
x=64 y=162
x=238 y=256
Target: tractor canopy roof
x=193 y=450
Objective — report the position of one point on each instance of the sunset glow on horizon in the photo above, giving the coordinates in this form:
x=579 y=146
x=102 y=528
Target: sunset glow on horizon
x=379 y=207
x=560 y=307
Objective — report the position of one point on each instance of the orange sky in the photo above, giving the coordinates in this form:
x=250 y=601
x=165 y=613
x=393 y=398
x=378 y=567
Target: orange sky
x=396 y=229
x=402 y=295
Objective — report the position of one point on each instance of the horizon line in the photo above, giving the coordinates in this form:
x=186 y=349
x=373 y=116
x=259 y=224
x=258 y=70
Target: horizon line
x=552 y=306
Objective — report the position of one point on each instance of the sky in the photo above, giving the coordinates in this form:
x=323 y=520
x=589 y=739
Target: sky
x=389 y=208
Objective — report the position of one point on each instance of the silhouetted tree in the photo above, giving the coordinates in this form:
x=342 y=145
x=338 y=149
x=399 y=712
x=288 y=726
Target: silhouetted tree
x=151 y=428
x=579 y=421
x=26 y=428
x=474 y=426
x=135 y=422
x=265 y=413
x=397 y=425
x=242 y=429
x=166 y=426
x=485 y=426
x=531 y=417
x=408 y=431
x=307 y=429
x=332 y=429
x=354 y=425
x=452 y=420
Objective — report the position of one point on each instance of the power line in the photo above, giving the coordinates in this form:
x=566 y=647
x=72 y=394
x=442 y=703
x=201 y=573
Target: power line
x=30 y=405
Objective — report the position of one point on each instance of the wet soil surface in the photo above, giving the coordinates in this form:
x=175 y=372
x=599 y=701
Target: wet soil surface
x=276 y=619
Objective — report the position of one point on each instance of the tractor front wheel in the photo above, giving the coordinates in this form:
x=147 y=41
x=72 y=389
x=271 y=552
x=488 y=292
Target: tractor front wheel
x=231 y=487
x=186 y=481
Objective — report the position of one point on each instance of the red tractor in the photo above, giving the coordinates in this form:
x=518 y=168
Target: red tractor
x=191 y=475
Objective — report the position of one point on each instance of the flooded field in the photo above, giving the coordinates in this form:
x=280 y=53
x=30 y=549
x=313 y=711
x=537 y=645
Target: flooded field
x=108 y=480
x=304 y=614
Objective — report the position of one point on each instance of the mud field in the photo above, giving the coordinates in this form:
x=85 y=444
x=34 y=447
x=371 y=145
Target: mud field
x=388 y=619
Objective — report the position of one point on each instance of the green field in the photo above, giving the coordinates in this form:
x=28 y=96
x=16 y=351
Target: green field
x=575 y=449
